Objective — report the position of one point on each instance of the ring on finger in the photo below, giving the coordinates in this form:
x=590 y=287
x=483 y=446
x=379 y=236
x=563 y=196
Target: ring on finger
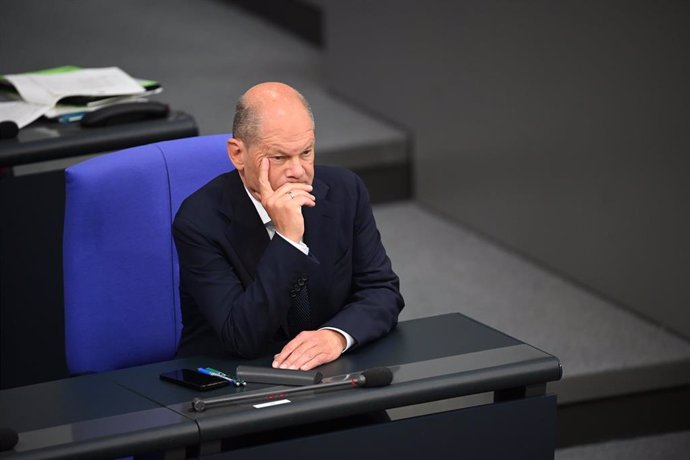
x=290 y=195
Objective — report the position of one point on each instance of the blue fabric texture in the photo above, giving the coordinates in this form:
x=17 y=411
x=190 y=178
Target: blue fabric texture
x=121 y=274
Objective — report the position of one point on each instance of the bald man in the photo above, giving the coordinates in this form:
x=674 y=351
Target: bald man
x=281 y=256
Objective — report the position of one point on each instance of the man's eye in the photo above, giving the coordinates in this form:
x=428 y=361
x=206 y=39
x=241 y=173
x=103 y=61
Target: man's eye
x=306 y=153
x=278 y=159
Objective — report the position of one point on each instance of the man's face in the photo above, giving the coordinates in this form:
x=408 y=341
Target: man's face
x=288 y=144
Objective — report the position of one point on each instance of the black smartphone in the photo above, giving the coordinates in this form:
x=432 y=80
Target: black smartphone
x=194 y=379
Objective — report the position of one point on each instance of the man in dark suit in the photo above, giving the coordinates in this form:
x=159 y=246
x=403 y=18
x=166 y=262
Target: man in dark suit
x=280 y=255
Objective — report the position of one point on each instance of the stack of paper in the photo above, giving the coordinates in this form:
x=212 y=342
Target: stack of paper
x=69 y=91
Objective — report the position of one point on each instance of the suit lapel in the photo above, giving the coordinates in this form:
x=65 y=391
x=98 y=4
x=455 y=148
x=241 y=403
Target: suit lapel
x=319 y=222
x=245 y=230
x=320 y=235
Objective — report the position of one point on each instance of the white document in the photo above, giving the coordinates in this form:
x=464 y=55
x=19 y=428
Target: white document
x=22 y=113
x=48 y=89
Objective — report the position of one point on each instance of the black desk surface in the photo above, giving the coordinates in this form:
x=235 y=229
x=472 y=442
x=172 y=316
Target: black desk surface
x=431 y=358
x=49 y=140
x=83 y=416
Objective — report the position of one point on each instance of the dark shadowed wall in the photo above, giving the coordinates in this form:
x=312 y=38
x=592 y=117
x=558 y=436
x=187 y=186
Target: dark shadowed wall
x=560 y=128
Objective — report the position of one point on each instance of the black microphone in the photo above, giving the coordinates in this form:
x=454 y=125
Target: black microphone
x=8 y=129
x=370 y=378
x=8 y=438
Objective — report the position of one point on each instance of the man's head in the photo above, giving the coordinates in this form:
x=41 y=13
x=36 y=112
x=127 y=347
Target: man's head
x=273 y=121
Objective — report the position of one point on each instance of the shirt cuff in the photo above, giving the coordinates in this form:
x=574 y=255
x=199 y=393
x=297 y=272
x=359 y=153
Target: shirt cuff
x=301 y=246
x=348 y=338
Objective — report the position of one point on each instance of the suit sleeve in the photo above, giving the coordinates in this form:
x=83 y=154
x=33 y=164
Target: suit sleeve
x=245 y=321
x=374 y=302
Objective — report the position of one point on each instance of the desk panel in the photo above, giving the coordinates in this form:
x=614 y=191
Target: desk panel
x=89 y=416
x=49 y=140
x=429 y=357
x=524 y=429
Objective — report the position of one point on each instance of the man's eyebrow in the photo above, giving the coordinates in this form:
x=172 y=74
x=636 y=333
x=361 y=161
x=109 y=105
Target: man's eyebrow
x=274 y=151
x=279 y=151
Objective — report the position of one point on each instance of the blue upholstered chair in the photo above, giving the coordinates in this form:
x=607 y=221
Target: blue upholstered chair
x=122 y=305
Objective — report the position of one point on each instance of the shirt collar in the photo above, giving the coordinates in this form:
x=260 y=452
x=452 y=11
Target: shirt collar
x=259 y=207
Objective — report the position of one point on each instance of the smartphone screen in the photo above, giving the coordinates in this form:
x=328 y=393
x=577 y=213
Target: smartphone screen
x=194 y=379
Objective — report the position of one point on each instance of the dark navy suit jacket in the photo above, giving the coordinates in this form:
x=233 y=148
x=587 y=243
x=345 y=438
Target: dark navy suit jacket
x=235 y=281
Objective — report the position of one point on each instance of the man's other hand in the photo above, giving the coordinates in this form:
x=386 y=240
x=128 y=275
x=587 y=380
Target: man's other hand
x=310 y=349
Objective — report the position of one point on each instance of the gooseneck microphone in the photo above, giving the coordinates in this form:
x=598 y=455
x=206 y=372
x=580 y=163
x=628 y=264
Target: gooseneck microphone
x=370 y=378
x=8 y=129
x=8 y=438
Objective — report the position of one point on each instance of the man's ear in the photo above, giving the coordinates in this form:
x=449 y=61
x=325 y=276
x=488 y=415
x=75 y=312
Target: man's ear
x=236 y=150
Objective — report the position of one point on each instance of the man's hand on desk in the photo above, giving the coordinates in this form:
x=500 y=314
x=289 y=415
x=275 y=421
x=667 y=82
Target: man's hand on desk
x=310 y=349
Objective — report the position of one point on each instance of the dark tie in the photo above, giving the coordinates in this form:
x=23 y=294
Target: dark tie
x=299 y=315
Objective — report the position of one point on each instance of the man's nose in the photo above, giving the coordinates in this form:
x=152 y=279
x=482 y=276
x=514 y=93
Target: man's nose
x=295 y=168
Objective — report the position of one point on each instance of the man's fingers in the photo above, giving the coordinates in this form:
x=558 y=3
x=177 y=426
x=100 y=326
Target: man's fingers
x=288 y=349
x=294 y=199
x=316 y=361
x=303 y=200
x=285 y=194
x=264 y=184
x=293 y=187
x=308 y=203
x=292 y=194
x=291 y=351
x=284 y=353
x=304 y=353
x=308 y=350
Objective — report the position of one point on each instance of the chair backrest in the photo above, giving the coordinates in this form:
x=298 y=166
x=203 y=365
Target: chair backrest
x=121 y=274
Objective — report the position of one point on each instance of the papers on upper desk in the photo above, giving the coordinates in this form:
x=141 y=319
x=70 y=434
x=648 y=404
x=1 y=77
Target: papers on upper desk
x=62 y=109
x=48 y=89
x=69 y=90
x=22 y=113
